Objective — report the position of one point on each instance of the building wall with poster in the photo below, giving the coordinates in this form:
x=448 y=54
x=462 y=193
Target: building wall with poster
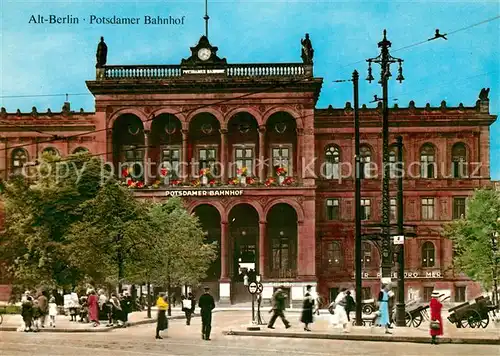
x=269 y=174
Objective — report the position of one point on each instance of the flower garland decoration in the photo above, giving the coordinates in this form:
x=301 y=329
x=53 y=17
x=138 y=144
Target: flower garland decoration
x=163 y=172
x=195 y=183
x=251 y=181
x=288 y=181
x=205 y=172
x=176 y=182
x=270 y=182
x=281 y=171
x=243 y=171
x=233 y=181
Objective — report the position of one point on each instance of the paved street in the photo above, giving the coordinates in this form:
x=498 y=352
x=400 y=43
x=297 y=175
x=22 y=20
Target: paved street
x=186 y=340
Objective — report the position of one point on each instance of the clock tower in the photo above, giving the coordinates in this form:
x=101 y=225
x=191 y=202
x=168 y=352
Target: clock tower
x=204 y=55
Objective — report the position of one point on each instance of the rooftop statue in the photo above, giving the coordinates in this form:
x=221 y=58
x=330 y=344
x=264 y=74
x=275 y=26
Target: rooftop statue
x=483 y=95
x=101 y=54
x=307 y=50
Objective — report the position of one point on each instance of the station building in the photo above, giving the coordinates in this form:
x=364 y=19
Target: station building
x=267 y=172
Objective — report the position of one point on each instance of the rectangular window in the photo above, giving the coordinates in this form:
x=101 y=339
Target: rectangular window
x=459 y=294
x=427 y=293
x=459 y=204
x=282 y=158
x=394 y=207
x=332 y=209
x=134 y=160
x=427 y=208
x=365 y=209
x=366 y=293
x=170 y=159
x=244 y=157
x=207 y=158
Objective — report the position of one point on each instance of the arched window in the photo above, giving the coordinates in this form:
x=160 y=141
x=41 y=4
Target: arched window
x=51 y=150
x=332 y=162
x=19 y=159
x=459 y=160
x=427 y=161
x=365 y=160
x=80 y=150
x=333 y=256
x=367 y=255
x=428 y=254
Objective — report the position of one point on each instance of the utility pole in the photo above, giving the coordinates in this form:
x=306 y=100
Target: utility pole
x=400 y=306
x=357 y=200
x=385 y=60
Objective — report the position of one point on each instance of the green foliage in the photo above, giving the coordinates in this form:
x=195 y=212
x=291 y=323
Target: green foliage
x=180 y=255
x=473 y=237
x=39 y=209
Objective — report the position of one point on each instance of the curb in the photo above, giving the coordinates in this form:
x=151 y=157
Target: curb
x=96 y=330
x=382 y=338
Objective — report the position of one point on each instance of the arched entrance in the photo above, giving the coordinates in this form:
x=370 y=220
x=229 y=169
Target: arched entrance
x=244 y=237
x=210 y=221
x=282 y=232
x=128 y=145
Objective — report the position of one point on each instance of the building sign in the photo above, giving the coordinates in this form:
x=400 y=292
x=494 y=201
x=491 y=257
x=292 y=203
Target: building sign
x=204 y=193
x=203 y=71
x=408 y=275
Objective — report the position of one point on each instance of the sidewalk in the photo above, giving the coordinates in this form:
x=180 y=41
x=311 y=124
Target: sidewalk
x=321 y=329
x=11 y=322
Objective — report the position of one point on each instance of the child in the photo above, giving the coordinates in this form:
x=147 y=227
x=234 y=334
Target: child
x=52 y=311
x=36 y=316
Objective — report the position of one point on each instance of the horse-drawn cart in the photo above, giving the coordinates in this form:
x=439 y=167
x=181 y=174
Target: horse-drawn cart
x=473 y=314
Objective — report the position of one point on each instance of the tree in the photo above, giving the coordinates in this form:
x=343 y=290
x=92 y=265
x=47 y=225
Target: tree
x=39 y=209
x=113 y=233
x=475 y=239
x=181 y=256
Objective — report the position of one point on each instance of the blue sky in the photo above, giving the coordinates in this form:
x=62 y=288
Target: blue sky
x=42 y=59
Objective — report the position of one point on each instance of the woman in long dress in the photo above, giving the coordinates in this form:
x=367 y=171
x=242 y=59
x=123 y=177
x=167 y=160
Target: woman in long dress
x=93 y=305
x=436 y=306
x=339 y=318
x=383 y=300
x=162 y=321
x=307 y=311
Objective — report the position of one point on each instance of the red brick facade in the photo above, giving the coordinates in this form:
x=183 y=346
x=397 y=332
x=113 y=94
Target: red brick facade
x=270 y=109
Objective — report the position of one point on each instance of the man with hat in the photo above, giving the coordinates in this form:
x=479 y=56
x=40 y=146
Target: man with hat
x=206 y=305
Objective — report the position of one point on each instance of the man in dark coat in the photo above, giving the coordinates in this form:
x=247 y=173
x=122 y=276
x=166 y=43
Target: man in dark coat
x=206 y=305
x=278 y=309
x=350 y=304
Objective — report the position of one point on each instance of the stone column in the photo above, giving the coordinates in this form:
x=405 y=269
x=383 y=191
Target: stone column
x=262 y=248
x=146 y=158
x=306 y=243
x=225 y=281
x=223 y=154
x=185 y=162
x=262 y=153
x=4 y=159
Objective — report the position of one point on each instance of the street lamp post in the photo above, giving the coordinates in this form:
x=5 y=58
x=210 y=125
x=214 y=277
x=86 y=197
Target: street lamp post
x=385 y=60
x=400 y=306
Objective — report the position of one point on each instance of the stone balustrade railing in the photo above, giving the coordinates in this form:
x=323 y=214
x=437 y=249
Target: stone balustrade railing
x=258 y=70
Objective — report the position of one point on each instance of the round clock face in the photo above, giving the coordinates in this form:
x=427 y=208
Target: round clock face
x=204 y=54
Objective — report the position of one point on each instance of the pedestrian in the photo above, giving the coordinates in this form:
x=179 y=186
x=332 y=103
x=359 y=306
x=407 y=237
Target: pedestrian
x=188 y=305
x=93 y=305
x=383 y=300
x=339 y=317
x=73 y=303
x=36 y=316
x=278 y=309
x=27 y=312
x=307 y=309
x=350 y=304
x=436 y=324
x=116 y=310
x=52 y=311
x=161 y=320
x=84 y=310
x=206 y=305
x=317 y=303
x=43 y=304
x=126 y=304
